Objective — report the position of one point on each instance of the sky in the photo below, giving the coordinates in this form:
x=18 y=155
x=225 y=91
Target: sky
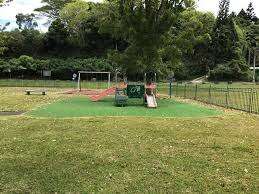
x=8 y=13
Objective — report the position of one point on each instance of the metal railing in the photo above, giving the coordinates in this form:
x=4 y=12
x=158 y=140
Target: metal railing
x=245 y=99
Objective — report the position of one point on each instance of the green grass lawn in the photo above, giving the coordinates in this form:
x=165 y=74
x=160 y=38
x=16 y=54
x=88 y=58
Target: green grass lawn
x=83 y=107
x=125 y=154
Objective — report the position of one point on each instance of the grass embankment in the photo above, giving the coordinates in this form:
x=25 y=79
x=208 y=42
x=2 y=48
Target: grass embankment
x=127 y=154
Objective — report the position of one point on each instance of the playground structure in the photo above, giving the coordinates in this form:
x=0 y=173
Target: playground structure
x=123 y=91
x=145 y=91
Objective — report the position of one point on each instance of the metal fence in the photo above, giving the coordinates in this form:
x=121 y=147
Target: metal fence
x=245 y=99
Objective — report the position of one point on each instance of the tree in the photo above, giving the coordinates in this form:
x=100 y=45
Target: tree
x=193 y=37
x=3 y=37
x=3 y=47
x=223 y=36
x=145 y=26
x=56 y=37
x=51 y=8
x=3 y=27
x=80 y=20
x=4 y=2
x=26 y=21
x=250 y=13
x=230 y=45
x=223 y=11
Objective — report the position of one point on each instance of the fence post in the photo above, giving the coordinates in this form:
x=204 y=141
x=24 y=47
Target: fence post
x=251 y=101
x=170 y=89
x=196 y=90
x=227 y=93
x=185 y=91
x=210 y=94
x=176 y=89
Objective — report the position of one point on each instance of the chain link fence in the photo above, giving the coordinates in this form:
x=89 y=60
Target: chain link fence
x=245 y=99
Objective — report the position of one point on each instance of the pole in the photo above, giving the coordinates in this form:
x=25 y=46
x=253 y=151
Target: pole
x=78 y=83
x=196 y=90
x=254 y=67
x=170 y=89
x=249 y=57
x=210 y=94
x=109 y=80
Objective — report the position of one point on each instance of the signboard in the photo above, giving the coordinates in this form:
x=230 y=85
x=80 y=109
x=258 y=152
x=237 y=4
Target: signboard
x=135 y=91
x=74 y=76
x=46 y=73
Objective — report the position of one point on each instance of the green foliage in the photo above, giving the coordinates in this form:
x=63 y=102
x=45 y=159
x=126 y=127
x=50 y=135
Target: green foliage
x=60 y=67
x=57 y=36
x=51 y=8
x=139 y=36
x=81 y=20
x=251 y=13
x=26 y=21
x=145 y=26
x=233 y=70
x=25 y=42
x=3 y=47
x=193 y=37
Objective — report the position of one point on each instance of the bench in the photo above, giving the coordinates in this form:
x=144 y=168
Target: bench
x=29 y=92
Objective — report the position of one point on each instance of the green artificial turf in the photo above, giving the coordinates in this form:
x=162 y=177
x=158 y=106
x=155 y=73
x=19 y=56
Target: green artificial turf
x=83 y=107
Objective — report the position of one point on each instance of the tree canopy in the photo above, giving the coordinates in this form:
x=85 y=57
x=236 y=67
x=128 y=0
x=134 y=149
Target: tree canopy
x=140 y=36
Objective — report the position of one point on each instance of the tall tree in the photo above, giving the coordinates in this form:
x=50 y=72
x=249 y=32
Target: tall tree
x=56 y=37
x=145 y=25
x=81 y=19
x=251 y=13
x=223 y=37
x=223 y=10
x=51 y=8
x=193 y=36
x=26 y=21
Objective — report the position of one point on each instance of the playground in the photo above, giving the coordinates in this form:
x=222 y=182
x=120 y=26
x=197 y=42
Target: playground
x=121 y=136
x=99 y=146
x=82 y=107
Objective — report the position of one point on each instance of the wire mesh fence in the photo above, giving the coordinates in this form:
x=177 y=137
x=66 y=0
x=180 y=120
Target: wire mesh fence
x=85 y=84
x=245 y=99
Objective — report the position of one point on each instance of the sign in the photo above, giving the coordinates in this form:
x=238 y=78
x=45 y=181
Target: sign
x=46 y=73
x=135 y=91
x=74 y=76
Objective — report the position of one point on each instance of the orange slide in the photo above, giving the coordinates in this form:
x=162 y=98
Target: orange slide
x=103 y=94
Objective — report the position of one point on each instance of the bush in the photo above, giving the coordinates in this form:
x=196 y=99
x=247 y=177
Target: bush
x=235 y=70
x=61 y=68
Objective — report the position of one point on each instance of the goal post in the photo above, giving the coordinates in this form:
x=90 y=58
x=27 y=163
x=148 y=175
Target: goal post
x=80 y=73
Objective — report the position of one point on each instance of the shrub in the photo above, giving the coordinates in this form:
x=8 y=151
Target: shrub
x=235 y=70
x=61 y=68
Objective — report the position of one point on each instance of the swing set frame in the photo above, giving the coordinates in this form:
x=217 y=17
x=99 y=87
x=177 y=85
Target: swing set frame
x=91 y=73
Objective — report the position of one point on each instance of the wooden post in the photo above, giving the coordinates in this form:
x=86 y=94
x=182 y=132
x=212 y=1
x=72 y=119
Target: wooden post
x=196 y=90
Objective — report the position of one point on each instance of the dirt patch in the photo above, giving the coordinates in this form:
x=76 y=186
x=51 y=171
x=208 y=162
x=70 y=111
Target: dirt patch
x=10 y=113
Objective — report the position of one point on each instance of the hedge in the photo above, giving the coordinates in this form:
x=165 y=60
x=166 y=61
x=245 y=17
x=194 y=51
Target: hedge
x=61 y=68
